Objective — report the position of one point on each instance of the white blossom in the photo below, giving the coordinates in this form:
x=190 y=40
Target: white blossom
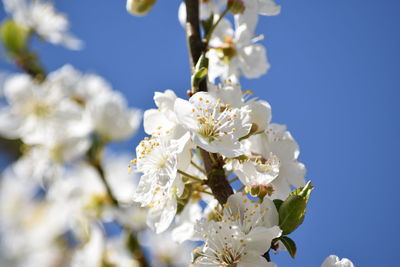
x=163 y=120
x=41 y=17
x=41 y=111
x=243 y=235
x=277 y=141
x=253 y=8
x=235 y=52
x=254 y=170
x=100 y=251
x=111 y=117
x=214 y=125
x=29 y=227
x=334 y=261
x=165 y=252
x=186 y=221
x=159 y=160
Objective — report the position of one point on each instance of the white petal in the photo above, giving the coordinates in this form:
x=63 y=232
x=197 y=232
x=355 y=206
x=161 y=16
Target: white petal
x=254 y=260
x=268 y=8
x=260 y=238
x=9 y=124
x=294 y=172
x=184 y=113
x=254 y=61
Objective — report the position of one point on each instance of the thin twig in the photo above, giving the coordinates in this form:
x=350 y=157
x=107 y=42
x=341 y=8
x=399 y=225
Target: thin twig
x=198 y=167
x=214 y=26
x=197 y=179
x=233 y=180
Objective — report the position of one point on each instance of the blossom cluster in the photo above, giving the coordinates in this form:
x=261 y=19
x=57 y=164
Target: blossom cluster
x=196 y=147
x=216 y=181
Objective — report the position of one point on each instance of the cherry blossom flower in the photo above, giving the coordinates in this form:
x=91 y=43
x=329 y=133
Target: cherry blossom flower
x=159 y=160
x=234 y=53
x=214 y=125
x=111 y=117
x=163 y=120
x=249 y=17
x=242 y=236
x=278 y=141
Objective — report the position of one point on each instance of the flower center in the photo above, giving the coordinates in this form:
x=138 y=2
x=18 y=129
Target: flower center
x=216 y=120
x=40 y=109
x=228 y=49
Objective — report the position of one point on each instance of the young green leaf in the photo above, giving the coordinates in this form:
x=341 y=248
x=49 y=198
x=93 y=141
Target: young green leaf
x=291 y=213
x=290 y=245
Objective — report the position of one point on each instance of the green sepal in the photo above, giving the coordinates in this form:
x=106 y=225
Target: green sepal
x=290 y=245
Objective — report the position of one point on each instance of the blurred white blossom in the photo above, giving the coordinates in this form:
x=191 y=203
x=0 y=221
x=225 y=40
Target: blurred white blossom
x=41 y=17
x=334 y=261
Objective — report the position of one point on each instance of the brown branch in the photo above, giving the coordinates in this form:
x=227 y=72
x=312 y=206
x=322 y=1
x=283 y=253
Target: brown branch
x=195 y=44
x=216 y=178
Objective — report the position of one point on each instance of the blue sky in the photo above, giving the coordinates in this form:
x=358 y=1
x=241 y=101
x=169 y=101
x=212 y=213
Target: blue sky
x=334 y=81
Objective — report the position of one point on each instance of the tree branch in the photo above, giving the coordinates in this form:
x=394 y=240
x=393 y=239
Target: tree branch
x=216 y=178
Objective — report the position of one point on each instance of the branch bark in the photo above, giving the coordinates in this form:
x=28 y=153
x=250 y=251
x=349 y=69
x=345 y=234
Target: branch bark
x=216 y=178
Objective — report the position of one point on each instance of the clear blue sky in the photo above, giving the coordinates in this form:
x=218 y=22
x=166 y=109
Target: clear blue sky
x=334 y=81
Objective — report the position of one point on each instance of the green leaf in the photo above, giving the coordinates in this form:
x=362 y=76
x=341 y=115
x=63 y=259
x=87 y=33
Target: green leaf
x=291 y=213
x=200 y=71
x=290 y=245
x=303 y=191
x=14 y=36
x=198 y=76
x=278 y=203
x=293 y=209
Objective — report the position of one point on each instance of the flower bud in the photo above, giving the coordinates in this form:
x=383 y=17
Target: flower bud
x=139 y=7
x=236 y=6
x=14 y=36
x=261 y=191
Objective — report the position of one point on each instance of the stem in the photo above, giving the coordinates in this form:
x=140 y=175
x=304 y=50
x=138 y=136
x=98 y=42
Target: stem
x=193 y=33
x=95 y=155
x=210 y=32
x=96 y=164
x=198 y=167
x=135 y=248
x=233 y=180
x=216 y=178
x=29 y=63
x=197 y=179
